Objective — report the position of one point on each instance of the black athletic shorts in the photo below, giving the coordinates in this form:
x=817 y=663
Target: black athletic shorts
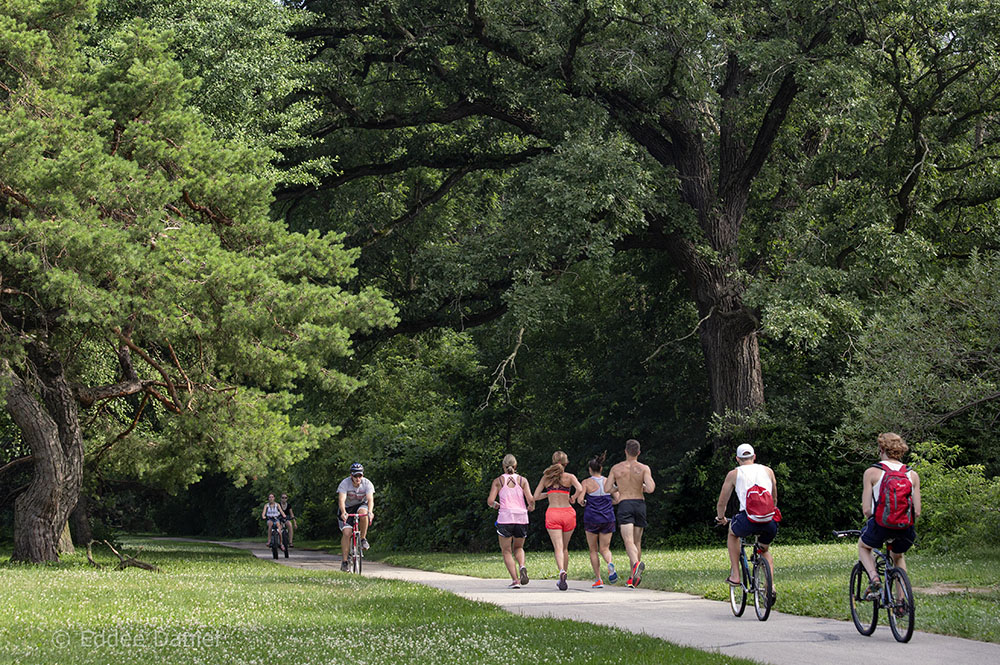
x=512 y=530
x=632 y=511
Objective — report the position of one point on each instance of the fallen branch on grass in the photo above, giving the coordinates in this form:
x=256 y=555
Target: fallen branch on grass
x=123 y=561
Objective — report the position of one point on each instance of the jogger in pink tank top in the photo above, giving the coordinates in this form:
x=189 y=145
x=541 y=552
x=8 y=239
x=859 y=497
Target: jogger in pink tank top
x=511 y=496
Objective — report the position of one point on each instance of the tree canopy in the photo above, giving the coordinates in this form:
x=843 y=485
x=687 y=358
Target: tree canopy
x=143 y=280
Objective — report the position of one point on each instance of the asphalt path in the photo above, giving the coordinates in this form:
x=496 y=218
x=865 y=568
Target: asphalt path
x=784 y=639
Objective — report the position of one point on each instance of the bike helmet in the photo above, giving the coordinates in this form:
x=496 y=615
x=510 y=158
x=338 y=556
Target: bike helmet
x=357 y=469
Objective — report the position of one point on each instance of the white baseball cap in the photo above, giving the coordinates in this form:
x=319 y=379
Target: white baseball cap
x=744 y=451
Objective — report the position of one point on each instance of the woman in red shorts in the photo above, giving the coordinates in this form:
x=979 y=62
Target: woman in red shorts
x=560 y=517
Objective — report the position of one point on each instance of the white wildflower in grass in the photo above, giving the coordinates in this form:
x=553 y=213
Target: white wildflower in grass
x=213 y=605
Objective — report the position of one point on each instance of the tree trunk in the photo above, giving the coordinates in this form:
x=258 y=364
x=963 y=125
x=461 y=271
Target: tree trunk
x=66 y=541
x=49 y=425
x=732 y=357
x=79 y=523
x=727 y=328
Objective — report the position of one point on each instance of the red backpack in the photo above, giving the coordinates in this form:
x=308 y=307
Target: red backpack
x=760 y=505
x=893 y=503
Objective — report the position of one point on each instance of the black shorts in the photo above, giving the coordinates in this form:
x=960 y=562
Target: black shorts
x=350 y=520
x=875 y=535
x=632 y=511
x=742 y=526
x=512 y=530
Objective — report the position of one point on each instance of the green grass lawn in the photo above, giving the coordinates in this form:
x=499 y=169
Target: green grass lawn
x=216 y=605
x=810 y=580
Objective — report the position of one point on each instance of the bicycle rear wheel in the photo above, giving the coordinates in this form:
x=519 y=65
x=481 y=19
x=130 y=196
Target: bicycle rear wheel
x=762 y=586
x=901 y=607
x=864 y=611
x=738 y=594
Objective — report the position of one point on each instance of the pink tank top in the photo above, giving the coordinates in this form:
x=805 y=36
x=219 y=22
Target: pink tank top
x=513 y=510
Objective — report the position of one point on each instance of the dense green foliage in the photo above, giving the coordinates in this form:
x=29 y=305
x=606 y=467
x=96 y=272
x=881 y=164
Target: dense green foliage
x=140 y=266
x=567 y=203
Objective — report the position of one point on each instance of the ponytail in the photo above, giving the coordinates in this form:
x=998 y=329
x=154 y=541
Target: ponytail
x=597 y=463
x=509 y=464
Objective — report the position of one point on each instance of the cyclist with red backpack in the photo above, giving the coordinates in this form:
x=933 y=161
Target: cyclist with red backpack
x=890 y=500
x=757 y=492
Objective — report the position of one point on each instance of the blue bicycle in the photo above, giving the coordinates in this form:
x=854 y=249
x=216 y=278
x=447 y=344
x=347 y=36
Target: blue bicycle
x=895 y=594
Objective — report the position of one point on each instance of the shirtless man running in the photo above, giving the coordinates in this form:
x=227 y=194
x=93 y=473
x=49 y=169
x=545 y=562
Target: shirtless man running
x=633 y=479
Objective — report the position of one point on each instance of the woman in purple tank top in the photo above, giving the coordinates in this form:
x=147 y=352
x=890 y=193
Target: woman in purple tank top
x=599 y=520
x=510 y=494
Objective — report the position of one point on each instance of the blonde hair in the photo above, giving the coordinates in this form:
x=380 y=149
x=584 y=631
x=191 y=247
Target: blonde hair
x=552 y=474
x=893 y=445
x=509 y=463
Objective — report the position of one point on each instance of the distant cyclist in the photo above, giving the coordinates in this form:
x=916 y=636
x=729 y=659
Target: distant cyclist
x=272 y=513
x=290 y=522
x=511 y=496
x=560 y=517
x=891 y=448
x=599 y=520
x=355 y=495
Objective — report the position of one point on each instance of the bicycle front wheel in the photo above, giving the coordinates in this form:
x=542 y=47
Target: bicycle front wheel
x=864 y=611
x=900 y=605
x=762 y=586
x=738 y=594
x=356 y=558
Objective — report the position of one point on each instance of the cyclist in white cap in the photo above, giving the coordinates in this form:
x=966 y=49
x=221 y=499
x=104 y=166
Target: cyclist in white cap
x=757 y=492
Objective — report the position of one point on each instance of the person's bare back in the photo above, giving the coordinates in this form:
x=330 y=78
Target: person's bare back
x=633 y=479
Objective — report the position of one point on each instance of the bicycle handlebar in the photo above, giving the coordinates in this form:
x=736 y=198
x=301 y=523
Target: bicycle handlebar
x=848 y=532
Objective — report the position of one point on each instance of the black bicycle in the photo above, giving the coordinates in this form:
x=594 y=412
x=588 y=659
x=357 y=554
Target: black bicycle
x=755 y=580
x=278 y=539
x=895 y=594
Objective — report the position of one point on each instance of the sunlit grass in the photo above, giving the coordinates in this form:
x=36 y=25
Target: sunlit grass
x=811 y=579
x=213 y=605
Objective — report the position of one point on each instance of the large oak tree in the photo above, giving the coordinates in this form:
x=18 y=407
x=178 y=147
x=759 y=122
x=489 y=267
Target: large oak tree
x=752 y=142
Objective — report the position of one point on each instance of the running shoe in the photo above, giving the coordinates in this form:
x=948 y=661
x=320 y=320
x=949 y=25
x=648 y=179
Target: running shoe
x=524 y=575
x=343 y=566
x=598 y=584
x=514 y=585
x=629 y=583
x=364 y=544
x=561 y=584
x=637 y=573
x=612 y=573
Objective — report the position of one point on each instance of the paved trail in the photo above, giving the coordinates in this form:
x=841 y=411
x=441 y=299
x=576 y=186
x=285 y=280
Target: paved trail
x=784 y=639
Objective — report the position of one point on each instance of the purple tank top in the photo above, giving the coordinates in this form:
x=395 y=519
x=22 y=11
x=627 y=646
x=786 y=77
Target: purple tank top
x=598 y=508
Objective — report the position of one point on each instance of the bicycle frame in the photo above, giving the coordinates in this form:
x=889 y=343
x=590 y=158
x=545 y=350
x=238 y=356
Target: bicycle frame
x=892 y=578
x=761 y=589
x=354 y=551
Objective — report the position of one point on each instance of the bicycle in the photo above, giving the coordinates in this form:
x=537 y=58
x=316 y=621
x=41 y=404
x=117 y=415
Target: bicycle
x=278 y=539
x=355 y=553
x=895 y=595
x=755 y=579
